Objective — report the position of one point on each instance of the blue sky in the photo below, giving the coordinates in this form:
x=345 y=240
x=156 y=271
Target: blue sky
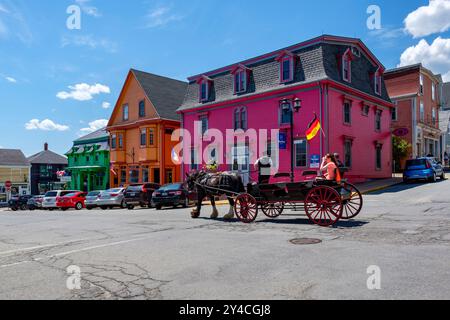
x=56 y=83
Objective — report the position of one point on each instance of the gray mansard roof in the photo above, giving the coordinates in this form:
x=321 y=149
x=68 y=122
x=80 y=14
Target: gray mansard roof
x=319 y=61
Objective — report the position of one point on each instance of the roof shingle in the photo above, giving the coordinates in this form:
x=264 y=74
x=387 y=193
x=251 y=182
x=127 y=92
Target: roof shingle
x=12 y=157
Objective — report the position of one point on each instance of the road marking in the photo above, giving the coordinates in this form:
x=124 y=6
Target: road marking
x=42 y=247
x=111 y=244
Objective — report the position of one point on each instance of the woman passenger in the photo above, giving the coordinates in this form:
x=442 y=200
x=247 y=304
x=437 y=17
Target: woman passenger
x=329 y=166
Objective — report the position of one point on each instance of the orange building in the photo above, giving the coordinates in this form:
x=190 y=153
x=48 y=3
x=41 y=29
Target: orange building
x=141 y=128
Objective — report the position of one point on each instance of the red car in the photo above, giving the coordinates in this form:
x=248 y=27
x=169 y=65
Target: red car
x=73 y=200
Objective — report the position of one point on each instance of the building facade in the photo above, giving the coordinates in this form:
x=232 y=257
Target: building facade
x=14 y=168
x=45 y=166
x=89 y=162
x=334 y=78
x=444 y=120
x=141 y=128
x=415 y=92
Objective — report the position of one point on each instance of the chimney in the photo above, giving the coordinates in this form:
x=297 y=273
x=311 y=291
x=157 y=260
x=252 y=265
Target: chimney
x=46 y=146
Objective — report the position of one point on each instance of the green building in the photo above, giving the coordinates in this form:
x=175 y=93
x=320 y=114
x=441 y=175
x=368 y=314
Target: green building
x=89 y=162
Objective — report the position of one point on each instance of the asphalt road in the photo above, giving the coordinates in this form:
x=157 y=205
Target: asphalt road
x=146 y=254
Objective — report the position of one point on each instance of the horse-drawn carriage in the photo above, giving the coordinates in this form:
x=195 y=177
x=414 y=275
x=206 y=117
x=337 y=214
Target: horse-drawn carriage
x=324 y=202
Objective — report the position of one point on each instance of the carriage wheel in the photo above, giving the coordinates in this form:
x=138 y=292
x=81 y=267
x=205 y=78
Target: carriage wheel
x=272 y=210
x=353 y=203
x=246 y=208
x=323 y=206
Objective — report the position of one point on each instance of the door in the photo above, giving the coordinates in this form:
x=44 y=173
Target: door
x=241 y=162
x=157 y=176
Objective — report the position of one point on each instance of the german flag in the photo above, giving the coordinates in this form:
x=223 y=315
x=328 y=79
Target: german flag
x=313 y=128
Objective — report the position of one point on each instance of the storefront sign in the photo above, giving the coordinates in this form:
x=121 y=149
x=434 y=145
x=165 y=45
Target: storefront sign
x=315 y=161
x=282 y=141
x=401 y=132
x=66 y=179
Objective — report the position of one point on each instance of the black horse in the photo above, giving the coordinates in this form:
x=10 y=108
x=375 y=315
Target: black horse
x=210 y=185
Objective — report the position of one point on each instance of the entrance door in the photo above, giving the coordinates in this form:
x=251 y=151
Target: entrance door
x=157 y=176
x=241 y=162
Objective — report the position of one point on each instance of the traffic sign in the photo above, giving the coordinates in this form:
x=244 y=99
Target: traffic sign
x=8 y=185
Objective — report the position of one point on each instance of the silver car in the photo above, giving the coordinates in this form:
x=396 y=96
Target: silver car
x=112 y=198
x=91 y=199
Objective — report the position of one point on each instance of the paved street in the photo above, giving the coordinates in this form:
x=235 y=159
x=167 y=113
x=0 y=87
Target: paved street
x=145 y=254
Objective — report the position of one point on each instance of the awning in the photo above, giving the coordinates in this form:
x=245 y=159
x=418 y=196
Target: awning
x=87 y=168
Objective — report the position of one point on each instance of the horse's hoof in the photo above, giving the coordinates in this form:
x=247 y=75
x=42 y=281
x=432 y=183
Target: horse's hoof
x=195 y=214
x=229 y=216
x=215 y=214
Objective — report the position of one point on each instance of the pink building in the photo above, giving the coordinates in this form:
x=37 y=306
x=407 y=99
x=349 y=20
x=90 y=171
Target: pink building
x=337 y=78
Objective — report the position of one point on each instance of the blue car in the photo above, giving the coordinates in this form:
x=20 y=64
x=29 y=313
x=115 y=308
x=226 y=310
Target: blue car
x=423 y=169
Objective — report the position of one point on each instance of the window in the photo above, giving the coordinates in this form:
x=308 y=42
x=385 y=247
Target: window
x=347 y=113
x=125 y=112
x=96 y=158
x=286 y=115
x=241 y=158
x=378 y=120
x=169 y=176
x=194 y=164
x=301 y=153
x=123 y=175
x=142 y=109
x=204 y=122
x=433 y=116
x=422 y=112
x=395 y=112
x=286 y=70
x=346 y=68
x=145 y=175
x=204 y=89
x=433 y=91
x=348 y=153
x=240 y=118
x=143 y=137
x=113 y=141
x=240 y=81
x=151 y=137
x=421 y=83
x=88 y=159
x=120 y=141
x=134 y=175
x=378 y=156
x=377 y=80
x=366 y=110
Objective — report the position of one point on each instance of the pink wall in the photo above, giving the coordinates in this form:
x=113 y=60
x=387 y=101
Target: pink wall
x=263 y=114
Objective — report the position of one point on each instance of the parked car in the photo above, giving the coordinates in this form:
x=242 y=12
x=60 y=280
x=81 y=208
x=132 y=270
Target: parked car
x=50 y=197
x=18 y=203
x=73 y=200
x=423 y=169
x=35 y=203
x=91 y=200
x=171 y=195
x=112 y=198
x=140 y=195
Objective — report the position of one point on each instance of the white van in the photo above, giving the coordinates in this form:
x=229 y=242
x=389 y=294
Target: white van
x=50 y=197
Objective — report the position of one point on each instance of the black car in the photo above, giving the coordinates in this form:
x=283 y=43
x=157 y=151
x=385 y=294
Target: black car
x=140 y=195
x=171 y=195
x=19 y=203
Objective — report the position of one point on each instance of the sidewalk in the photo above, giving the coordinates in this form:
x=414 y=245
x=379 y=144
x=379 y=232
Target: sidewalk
x=365 y=187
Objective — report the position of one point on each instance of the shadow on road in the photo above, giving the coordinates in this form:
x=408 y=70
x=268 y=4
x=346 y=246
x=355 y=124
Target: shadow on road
x=403 y=187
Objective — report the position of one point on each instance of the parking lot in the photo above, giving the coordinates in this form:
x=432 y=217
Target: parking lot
x=403 y=231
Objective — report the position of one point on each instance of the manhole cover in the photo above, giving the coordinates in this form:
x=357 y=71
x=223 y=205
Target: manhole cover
x=305 y=241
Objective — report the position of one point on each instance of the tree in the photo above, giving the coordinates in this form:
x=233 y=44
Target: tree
x=401 y=149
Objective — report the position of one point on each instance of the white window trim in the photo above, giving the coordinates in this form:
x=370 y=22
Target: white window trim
x=297 y=142
x=204 y=82
x=344 y=59
x=236 y=85
x=291 y=69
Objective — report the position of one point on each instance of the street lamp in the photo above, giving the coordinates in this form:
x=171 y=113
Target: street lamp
x=293 y=106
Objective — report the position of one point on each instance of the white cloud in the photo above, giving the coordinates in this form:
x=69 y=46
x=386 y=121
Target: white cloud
x=88 y=9
x=13 y=23
x=94 y=126
x=83 y=91
x=161 y=16
x=430 y=19
x=90 y=42
x=435 y=57
x=11 y=79
x=106 y=105
x=45 y=125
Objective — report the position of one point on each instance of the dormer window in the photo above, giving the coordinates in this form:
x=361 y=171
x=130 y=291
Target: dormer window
x=204 y=89
x=240 y=79
x=347 y=66
x=286 y=60
x=377 y=82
